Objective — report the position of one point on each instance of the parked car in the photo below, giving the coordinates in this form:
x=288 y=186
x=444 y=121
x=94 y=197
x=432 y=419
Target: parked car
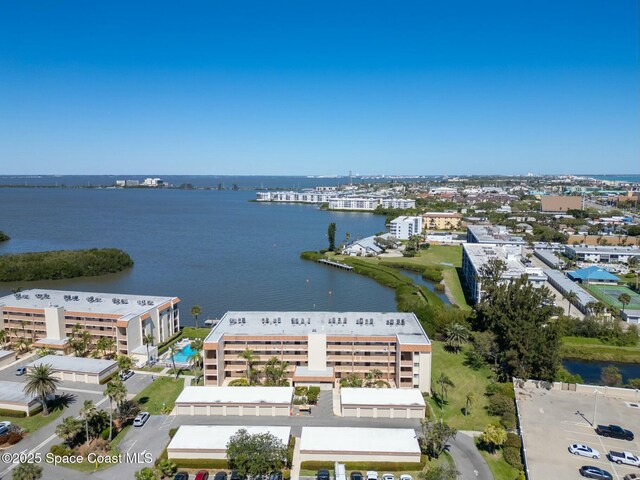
x=5 y=424
x=181 y=476
x=202 y=475
x=21 y=371
x=372 y=475
x=585 y=451
x=624 y=457
x=141 y=419
x=388 y=476
x=220 y=476
x=595 y=472
x=323 y=475
x=4 y=430
x=356 y=476
x=126 y=375
x=614 y=431
x=406 y=476
x=275 y=476
x=632 y=476
x=235 y=475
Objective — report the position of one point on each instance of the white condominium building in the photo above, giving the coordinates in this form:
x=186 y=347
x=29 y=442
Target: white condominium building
x=405 y=227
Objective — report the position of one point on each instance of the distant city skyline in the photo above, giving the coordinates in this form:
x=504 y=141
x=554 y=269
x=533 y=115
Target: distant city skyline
x=289 y=88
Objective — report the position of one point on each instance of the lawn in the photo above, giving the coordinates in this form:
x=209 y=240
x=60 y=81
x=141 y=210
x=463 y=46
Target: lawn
x=192 y=332
x=33 y=423
x=466 y=380
x=160 y=396
x=501 y=470
x=593 y=349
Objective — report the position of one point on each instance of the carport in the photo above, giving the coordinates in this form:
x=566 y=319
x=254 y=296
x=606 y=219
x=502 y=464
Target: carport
x=239 y=401
x=76 y=369
x=382 y=403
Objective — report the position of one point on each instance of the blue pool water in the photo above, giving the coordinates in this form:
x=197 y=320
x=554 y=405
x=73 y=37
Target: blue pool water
x=183 y=355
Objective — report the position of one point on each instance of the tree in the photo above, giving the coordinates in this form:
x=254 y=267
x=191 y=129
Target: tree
x=250 y=359
x=275 y=373
x=493 y=437
x=41 y=383
x=256 y=454
x=435 y=437
x=147 y=473
x=444 y=382
x=27 y=471
x=196 y=310
x=196 y=357
x=69 y=429
x=87 y=411
x=439 y=472
x=148 y=340
x=3 y=338
x=611 y=376
x=469 y=400
x=116 y=392
x=126 y=411
x=351 y=380
x=105 y=344
x=457 y=335
x=571 y=297
x=624 y=299
x=372 y=377
x=173 y=350
x=125 y=362
x=331 y=235
x=166 y=468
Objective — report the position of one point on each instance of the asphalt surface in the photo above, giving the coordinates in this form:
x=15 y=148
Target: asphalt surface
x=469 y=462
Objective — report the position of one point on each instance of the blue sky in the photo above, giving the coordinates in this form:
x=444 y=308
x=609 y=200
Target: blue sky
x=460 y=87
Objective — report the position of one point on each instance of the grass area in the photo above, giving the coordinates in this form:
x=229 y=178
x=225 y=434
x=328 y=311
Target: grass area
x=466 y=380
x=33 y=423
x=582 y=341
x=501 y=470
x=149 y=369
x=587 y=349
x=192 y=332
x=160 y=396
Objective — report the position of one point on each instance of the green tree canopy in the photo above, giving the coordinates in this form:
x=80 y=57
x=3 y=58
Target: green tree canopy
x=435 y=436
x=256 y=454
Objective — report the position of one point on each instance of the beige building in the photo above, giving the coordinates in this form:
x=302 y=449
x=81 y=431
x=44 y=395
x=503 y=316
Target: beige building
x=75 y=369
x=47 y=318
x=442 y=220
x=381 y=403
x=7 y=357
x=12 y=397
x=321 y=347
x=560 y=203
x=345 y=444
x=241 y=401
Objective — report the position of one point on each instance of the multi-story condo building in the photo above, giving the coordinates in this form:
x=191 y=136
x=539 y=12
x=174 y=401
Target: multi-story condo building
x=305 y=196
x=369 y=203
x=477 y=255
x=442 y=220
x=601 y=254
x=494 y=234
x=47 y=318
x=321 y=347
x=401 y=203
x=405 y=227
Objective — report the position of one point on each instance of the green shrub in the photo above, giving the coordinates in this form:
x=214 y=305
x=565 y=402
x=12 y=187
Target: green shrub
x=313 y=394
x=433 y=273
x=164 y=346
x=104 y=434
x=172 y=432
x=301 y=391
x=313 y=256
x=512 y=457
x=197 y=463
x=513 y=441
x=501 y=388
x=61 y=449
x=384 y=466
x=12 y=413
x=239 y=382
x=439 y=287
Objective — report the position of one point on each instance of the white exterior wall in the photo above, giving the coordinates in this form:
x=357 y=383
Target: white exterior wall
x=196 y=454
x=54 y=322
x=357 y=457
x=134 y=334
x=317 y=351
x=424 y=371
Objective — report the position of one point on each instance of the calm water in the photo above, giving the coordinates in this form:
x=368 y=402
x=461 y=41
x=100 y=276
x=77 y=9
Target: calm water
x=590 y=371
x=212 y=248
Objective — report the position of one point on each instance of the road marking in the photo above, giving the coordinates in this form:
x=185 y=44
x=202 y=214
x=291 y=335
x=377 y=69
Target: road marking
x=166 y=423
x=129 y=449
x=81 y=391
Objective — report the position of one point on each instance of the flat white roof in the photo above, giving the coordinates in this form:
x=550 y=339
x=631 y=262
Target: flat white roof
x=480 y=254
x=6 y=353
x=240 y=395
x=74 y=364
x=330 y=323
x=372 y=441
x=111 y=303
x=216 y=437
x=406 y=397
x=12 y=392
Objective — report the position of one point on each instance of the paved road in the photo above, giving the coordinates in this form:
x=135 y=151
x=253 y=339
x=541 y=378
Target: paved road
x=468 y=460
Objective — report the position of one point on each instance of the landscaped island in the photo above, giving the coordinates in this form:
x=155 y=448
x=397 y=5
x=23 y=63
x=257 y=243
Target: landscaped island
x=4 y=237
x=60 y=264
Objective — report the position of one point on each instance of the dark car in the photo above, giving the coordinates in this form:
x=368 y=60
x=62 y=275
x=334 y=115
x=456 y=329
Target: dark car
x=275 y=476
x=595 y=472
x=323 y=475
x=356 y=475
x=181 y=476
x=202 y=475
x=220 y=476
x=614 y=431
x=631 y=476
x=235 y=475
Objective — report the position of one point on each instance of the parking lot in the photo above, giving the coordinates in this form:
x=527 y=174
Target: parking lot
x=553 y=420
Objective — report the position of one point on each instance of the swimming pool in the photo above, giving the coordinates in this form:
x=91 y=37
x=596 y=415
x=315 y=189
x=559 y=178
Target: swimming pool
x=183 y=355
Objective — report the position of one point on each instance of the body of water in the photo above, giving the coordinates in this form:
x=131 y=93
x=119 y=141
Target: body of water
x=418 y=280
x=590 y=371
x=212 y=248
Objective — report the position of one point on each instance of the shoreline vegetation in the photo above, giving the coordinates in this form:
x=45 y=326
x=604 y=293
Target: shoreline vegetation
x=4 y=237
x=60 y=264
x=594 y=350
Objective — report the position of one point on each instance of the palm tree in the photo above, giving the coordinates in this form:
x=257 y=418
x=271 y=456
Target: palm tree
x=172 y=351
x=444 y=382
x=3 y=337
x=147 y=340
x=69 y=429
x=250 y=359
x=195 y=311
x=23 y=325
x=624 y=299
x=41 y=383
x=457 y=334
x=571 y=297
x=469 y=400
x=101 y=345
x=372 y=377
x=116 y=392
x=85 y=337
x=27 y=471
x=275 y=373
x=351 y=380
x=87 y=411
x=196 y=358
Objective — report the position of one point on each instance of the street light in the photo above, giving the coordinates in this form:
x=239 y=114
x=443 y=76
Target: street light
x=595 y=406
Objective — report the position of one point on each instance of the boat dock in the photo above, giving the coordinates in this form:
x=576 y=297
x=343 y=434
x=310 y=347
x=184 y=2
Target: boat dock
x=335 y=264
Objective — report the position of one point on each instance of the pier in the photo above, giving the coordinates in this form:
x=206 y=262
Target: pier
x=335 y=264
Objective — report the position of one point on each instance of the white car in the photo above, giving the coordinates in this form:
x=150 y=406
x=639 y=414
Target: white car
x=583 y=450
x=141 y=419
x=5 y=424
x=371 y=475
x=404 y=476
x=388 y=476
